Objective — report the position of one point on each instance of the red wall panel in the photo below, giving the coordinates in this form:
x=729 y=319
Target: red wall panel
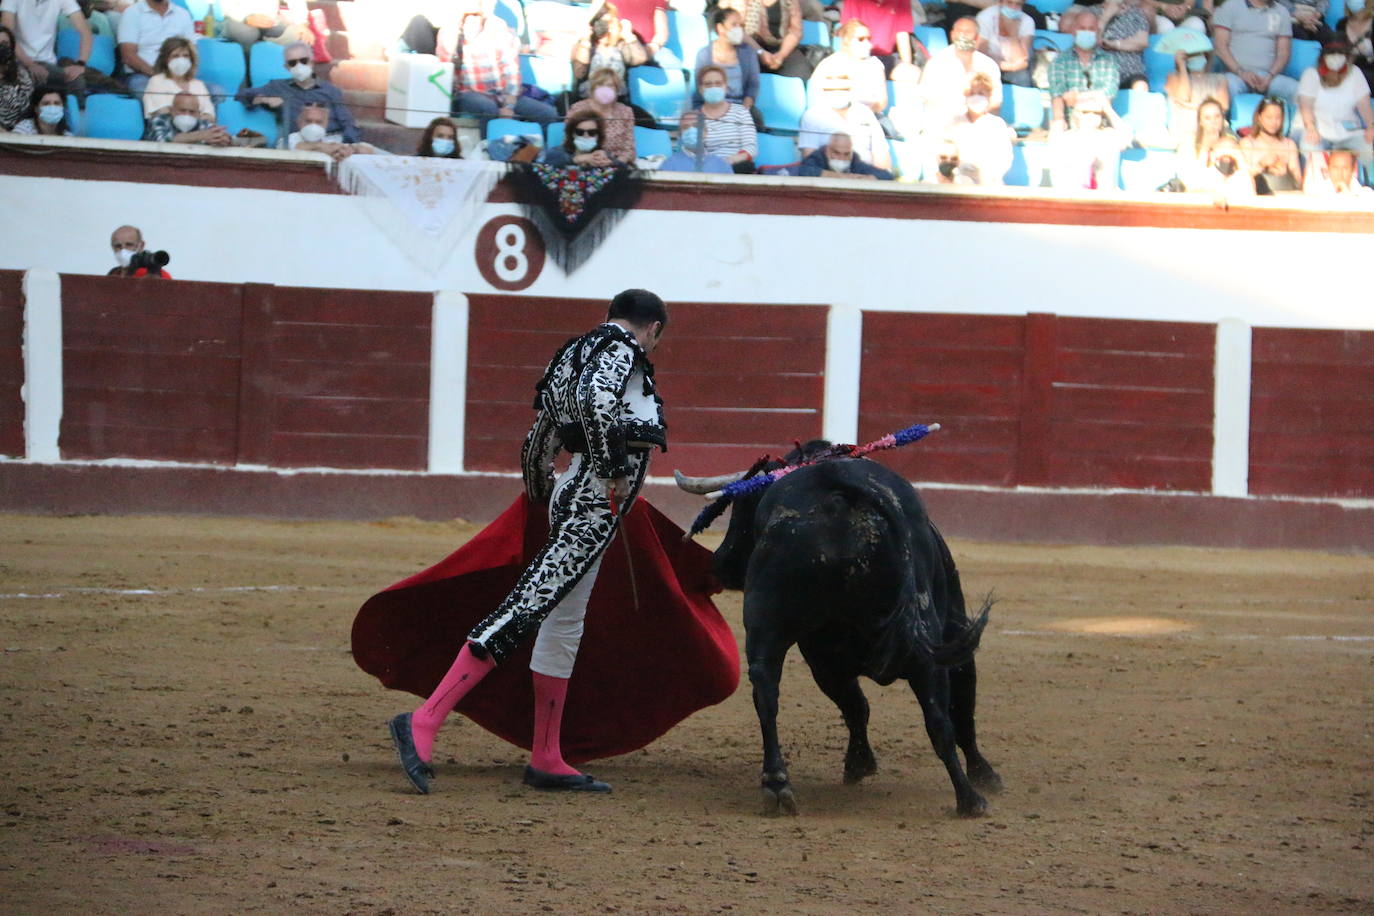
x=737 y=380
x=150 y=369
x=335 y=378
x=11 y=363
x=1312 y=412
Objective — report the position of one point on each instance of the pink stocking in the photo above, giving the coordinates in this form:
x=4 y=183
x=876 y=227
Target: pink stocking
x=467 y=671
x=547 y=752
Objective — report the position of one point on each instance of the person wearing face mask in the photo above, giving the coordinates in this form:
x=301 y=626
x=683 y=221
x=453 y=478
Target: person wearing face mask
x=288 y=97
x=1191 y=81
x=312 y=136
x=1214 y=163
x=855 y=62
x=1087 y=156
x=720 y=127
x=16 y=84
x=142 y=30
x=1086 y=68
x=836 y=113
x=890 y=24
x=836 y=159
x=583 y=144
x=1333 y=102
x=982 y=141
x=617 y=118
x=49 y=115
x=949 y=73
x=1004 y=34
x=176 y=73
x=440 y=140
x=183 y=123
x=610 y=45
x=731 y=52
x=125 y=242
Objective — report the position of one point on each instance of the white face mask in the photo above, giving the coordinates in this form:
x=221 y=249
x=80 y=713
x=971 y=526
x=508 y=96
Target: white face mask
x=302 y=72
x=50 y=114
x=1334 y=61
x=584 y=144
x=838 y=165
x=179 y=66
x=312 y=133
x=185 y=122
x=736 y=35
x=123 y=256
x=978 y=104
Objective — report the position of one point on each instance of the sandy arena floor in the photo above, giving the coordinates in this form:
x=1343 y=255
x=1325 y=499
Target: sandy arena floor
x=184 y=731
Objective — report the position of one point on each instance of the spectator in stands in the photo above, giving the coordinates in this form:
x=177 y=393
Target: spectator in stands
x=174 y=73
x=691 y=156
x=440 y=140
x=1181 y=14
x=611 y=45
x=1309 y=20
x=1253 y=40
x=289 y=97
x=1272 y=158
x=486 y=74
x=584 y=138
x=184 y=123
x=1125 y=35
x=617 y=119
x=1004 y=34
x=48 y=117
x=890 y=25
x=740 y=60
x=1202 y=164
x=312 y=135
x=16 y=83
x=1355 y=29
x=982 y=141
x=854 y=63
x=836 y=113
x=836 y=159
x=1085 y=68
x=1087 y=156
x=1334 y=175
x=950 y=71
x=720 y=127
x=1333 y=100
x=649 y=21
x=125 y=242
x=142 y=29
x=775 y=28
x=251 y=21
x=1191 y=81
x=35 y=23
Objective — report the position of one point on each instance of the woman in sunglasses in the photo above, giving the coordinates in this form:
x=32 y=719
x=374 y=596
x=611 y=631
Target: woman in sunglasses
x=583 y=137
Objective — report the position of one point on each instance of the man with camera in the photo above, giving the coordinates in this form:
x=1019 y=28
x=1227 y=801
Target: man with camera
x=134 y=261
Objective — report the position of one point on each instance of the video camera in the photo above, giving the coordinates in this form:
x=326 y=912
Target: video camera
x=151 y=261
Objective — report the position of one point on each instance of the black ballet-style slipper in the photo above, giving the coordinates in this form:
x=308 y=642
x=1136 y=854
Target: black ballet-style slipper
x=572 y=782
x=416 y=770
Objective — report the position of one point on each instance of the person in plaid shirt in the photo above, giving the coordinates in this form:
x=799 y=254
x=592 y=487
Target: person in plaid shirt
x=1086 y=67
x=486 y=67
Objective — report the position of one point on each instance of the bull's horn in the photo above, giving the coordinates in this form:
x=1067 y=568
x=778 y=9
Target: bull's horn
x=703 y=485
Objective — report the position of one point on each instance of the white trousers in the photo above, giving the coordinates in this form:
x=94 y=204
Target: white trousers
x=555 y=646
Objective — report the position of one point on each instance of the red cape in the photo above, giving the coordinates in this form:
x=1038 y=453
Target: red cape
x=639 y=671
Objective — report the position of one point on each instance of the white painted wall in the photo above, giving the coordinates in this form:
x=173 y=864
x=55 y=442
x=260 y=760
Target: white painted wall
x=236 y=235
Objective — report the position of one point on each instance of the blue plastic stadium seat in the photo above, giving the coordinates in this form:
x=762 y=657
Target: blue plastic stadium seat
x=233 y=116
x=1023 y=108
x=776 y=150
x=74 y=115
x=557 y=131
x=662 y=93
x=1243 y=109
x=113 y=117
x=1044 y=38
x=1145 y=170
x=1028 y=163
x=221 y=64
x=1335 y=12
x=266 y=62
x=102 y=50
x=1147 y=114
x=815 y=33
x=651 y=142
x=1303 y=57
x=552 y=74
x=511 y=12
x=1052 y=6
x=1157 y=69
x=501 y=127
x=781 y=101
x=932 y=36
x=688 y=33
x=198 y=8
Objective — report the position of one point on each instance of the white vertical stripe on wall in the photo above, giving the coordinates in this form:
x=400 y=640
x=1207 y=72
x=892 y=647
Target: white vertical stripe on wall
x=1231 y=410
x=448 y=382
x=843 y=356
x=42 y=364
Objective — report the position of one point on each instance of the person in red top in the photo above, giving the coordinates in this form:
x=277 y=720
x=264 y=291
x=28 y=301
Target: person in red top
x=486 y=67
x=890 y=23
x=649 y=18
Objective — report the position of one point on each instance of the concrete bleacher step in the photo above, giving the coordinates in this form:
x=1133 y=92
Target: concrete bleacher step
x=359 y=75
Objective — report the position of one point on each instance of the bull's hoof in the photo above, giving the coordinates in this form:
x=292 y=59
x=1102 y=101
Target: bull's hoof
x=985 y=779
x=976 y=806
x=858 y=765
x=779 y=802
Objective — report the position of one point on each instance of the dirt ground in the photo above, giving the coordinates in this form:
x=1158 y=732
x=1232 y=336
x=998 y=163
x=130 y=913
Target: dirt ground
x=184 y=731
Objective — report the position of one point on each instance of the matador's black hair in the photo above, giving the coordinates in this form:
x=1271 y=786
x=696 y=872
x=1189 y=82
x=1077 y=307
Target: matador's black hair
x=639 y=307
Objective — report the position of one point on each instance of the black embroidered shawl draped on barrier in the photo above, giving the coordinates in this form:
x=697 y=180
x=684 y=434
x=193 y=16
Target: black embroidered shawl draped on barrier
x=575 y=207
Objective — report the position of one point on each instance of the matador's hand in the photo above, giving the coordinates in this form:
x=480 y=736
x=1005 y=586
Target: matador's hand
x=617 y=491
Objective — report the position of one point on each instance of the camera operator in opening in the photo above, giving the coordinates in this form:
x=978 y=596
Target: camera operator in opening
x=133 y=258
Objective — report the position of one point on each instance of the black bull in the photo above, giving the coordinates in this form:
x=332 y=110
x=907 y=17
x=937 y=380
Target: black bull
x=841 y=559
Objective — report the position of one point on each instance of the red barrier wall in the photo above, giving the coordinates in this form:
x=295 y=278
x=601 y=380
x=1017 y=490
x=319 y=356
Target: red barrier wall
x=223 y=373
x=11 y=363
x=739 y=379
x=1042 y=400
x=1312 y=412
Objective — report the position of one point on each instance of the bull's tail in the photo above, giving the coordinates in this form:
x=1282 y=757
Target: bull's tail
x=957 y=648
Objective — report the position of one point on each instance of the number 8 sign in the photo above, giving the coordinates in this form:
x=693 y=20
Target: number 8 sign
x=510 y=253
